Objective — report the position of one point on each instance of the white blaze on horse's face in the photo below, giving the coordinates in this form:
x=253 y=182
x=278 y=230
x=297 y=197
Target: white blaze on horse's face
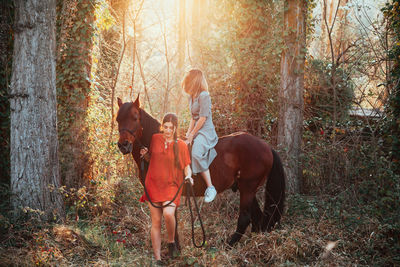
x=169 y=130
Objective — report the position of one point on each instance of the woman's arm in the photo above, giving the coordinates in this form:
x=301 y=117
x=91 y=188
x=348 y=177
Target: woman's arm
x=205 y=111
x=188 y=173
x=196 y=128
x=191 y=125
x=144 y=153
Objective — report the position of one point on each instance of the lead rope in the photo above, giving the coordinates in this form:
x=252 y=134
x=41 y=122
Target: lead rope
x=147 y=194
x=197 y=209
x=189 y=189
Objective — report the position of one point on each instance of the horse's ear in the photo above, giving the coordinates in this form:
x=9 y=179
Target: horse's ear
x=137 y=102
x=119 y=102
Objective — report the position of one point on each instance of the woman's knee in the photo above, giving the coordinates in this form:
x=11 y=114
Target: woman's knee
x=197 y=154
x=169 y=213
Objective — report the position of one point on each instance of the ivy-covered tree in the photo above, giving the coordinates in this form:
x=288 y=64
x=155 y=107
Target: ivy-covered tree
x=74 y=62
x=392 y=12
x=243 y=65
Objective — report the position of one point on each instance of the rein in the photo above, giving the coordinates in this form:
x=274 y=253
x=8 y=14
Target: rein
x=189 y=186
x=189 y=189
x=129 y=131
x=147 y=194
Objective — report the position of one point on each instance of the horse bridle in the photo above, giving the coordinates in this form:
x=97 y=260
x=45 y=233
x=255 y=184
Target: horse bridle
x=133 y=132
x=129 y=131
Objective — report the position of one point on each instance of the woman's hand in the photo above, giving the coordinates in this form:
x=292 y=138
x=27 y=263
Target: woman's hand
x=189 y=179
x=188 y=174
x=144 y=153
x=189 y=138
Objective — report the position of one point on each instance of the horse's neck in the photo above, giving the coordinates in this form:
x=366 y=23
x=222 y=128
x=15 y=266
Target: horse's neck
x=150 y=127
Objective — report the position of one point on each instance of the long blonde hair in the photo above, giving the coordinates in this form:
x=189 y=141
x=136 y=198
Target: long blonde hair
x=194 y=82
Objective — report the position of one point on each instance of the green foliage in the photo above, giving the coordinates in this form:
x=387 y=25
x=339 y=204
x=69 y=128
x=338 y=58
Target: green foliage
x=320 y=81
x=345 y=162
x=244 y=80
x=74 y=65
x=349 y=165
x=392 y=13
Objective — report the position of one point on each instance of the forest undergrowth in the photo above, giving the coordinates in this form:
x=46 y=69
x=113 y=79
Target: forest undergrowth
x=315 y=231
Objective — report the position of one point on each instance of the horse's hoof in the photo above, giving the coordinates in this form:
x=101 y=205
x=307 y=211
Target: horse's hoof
x=229 y=246
x=231 y=243
x=256 y=229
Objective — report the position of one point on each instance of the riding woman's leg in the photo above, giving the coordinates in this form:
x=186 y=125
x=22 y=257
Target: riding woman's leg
x=155 y=233
x=199 y=164
x=207 y=178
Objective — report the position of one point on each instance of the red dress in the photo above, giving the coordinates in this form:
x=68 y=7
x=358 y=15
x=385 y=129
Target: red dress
x=163 y=177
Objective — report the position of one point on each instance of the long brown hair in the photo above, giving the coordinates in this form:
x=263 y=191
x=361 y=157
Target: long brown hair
x=172 y=118
x=194 y=82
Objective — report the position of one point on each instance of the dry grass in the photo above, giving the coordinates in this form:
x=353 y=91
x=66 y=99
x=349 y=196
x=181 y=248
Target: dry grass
x=119 y=236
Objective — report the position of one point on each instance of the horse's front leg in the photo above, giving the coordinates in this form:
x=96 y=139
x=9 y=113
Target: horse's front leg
x=246 y=200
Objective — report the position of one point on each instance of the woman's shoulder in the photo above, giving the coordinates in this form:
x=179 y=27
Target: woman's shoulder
x=157 y=136
x=204 y=96
x=204 y=93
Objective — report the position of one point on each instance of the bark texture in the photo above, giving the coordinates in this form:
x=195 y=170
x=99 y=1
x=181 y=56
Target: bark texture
x=6 y=21
x=34 y=145
x=291 y=94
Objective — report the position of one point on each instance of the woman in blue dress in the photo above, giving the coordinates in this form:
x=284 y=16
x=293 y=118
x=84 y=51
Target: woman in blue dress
x=201 y=129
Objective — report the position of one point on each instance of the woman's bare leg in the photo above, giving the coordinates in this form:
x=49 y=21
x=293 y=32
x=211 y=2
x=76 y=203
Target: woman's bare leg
x=207 y=177
x=155 y=233
x=170 y=223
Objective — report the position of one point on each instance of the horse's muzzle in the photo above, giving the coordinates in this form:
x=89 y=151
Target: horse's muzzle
x=126 y=147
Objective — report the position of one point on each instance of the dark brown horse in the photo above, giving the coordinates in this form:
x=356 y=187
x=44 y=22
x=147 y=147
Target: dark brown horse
x=244 y=162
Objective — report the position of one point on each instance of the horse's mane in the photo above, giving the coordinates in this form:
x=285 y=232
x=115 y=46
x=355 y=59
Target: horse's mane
x=150 y=126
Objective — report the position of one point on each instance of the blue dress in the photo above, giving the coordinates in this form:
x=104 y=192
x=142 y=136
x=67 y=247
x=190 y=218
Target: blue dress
x=203 y=152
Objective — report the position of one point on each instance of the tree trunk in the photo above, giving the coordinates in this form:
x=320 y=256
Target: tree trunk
x=6 y=22
x=181 y=33
x=199 y=18
x=291 y=94
x=181 y=51
x=34 y=144
x=74 y=76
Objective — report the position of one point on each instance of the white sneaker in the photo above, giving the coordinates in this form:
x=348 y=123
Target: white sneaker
x=210 y=194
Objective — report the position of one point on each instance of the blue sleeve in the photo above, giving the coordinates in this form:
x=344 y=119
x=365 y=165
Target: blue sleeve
x=205 y=104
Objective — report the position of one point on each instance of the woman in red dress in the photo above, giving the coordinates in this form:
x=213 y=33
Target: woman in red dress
x=169 y=160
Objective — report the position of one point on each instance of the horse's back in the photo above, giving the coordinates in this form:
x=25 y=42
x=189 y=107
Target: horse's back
x=240 y=156
x=244 y=147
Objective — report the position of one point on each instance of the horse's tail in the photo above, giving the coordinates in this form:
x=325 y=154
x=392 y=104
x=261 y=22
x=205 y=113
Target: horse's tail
x=274 y=194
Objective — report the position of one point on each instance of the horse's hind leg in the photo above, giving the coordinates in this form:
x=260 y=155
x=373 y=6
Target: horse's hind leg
x=256 y=216
x=246 y=200
x=243 y=222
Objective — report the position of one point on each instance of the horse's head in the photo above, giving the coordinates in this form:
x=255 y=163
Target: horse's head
x=129 y=127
